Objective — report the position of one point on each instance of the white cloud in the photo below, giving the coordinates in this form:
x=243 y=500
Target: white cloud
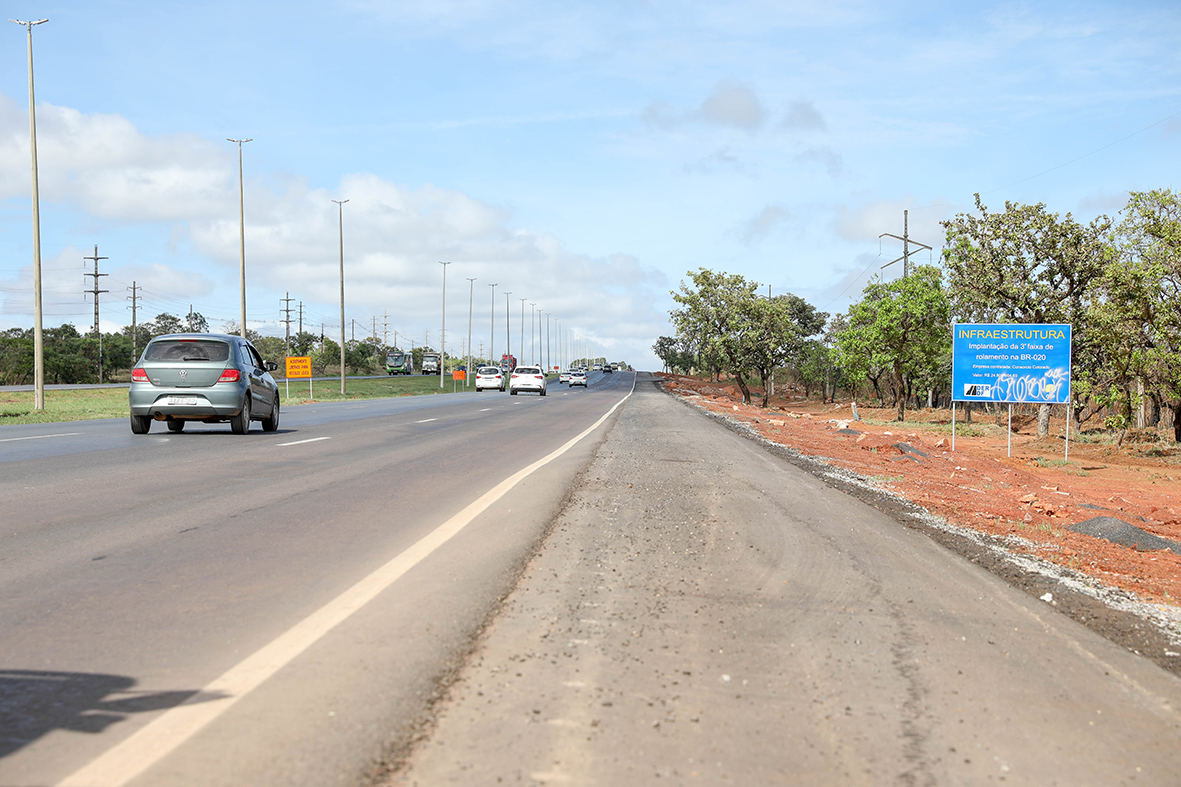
x=867 y=221
x=762 y=225
x=732 y=104
x=802 y=116
x=832 y=162
x=1103 y=202
x=110 y=169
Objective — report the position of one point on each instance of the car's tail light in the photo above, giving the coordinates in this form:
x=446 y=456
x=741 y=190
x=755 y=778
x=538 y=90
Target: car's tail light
x=139 y=375
x=229 y=376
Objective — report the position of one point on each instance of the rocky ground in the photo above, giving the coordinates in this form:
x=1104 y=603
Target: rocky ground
x=1015 y=513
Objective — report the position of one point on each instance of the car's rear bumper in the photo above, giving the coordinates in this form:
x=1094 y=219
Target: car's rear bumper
x=219 y=402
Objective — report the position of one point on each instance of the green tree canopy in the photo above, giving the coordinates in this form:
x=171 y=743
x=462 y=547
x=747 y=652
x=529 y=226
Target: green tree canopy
x=903 y=325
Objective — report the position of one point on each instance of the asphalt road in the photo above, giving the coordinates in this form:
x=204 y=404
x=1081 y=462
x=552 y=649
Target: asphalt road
x=704 y=612
x=205 y=608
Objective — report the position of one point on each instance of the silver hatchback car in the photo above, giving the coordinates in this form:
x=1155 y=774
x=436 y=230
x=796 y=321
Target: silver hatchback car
x=205 y=377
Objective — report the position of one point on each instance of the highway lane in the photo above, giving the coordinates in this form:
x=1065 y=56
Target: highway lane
x=136 y=570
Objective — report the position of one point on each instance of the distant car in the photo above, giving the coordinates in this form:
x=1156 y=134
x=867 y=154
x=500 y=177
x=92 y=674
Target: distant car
x=564 y=377
x=207 y=377
x=578 y=377
x=489 y=377
x=527 y=378
x=598 y=367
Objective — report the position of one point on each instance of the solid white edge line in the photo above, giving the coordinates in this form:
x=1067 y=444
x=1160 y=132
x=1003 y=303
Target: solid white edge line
x=164 y=734
x=301 y=442
x=38 y=437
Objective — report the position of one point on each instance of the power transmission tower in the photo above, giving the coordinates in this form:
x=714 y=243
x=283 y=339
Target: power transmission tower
x=134 y=330
x=286 y=322
x=386 y=330
x=906 y=243
x=301 y=317
x=95 y=292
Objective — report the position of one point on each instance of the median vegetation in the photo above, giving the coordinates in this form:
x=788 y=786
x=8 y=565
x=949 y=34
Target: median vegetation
x=16 y=407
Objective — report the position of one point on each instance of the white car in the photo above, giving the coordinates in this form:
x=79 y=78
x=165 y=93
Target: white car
x=564 y=377
x=578 y=378
x=489 y=377
x=527 y=378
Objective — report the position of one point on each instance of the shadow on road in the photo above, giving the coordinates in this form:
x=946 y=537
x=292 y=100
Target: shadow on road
x=33 y=703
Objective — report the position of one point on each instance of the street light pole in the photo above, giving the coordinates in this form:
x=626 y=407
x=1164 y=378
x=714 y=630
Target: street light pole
x=523 y=326
x=508 y=339
x=532 y=344
x=492 y=328
x=443 y=332
x=242 y=235
x=471 y=289
x=340 y=209
x=38 y=338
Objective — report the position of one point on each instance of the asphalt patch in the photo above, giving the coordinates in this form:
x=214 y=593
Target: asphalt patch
x=1118 y=531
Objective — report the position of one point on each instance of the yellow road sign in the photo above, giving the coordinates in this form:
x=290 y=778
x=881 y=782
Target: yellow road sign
x=299 y=366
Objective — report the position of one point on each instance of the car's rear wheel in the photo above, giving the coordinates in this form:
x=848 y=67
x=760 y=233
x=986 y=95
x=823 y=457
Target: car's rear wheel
x=512 y=391
x=140 y=424
x=271 y=422
x=176 y=426
x=240 y=423
x=543 y=392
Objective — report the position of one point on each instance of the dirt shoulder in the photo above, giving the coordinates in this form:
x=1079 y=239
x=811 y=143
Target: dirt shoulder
x=1012 y=514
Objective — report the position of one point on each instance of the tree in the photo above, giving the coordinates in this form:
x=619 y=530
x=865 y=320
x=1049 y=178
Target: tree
x=166 y=323
x=1136 y=321
x=664 y=348
x=719 y=310
x=902 y=325
x=1025 y=266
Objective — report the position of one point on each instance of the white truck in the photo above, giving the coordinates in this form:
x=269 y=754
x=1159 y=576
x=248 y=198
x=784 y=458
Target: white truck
x=431 y=363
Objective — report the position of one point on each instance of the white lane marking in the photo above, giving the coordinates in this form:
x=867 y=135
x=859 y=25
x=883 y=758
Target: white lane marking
x=309 y=440
x=426 y=421
x=155 y=740
x=38 y=437
x=486 y=409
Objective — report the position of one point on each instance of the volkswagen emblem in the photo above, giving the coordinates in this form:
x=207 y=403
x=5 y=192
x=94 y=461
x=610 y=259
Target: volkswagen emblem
x=183 y=374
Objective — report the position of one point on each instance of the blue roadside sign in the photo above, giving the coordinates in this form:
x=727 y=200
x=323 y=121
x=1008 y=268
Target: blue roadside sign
x=1010 y=363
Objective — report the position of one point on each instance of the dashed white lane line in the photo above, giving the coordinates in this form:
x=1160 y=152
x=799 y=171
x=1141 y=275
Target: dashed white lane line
x=39 y=437
x=159 y=737
x=486 y=409
x=309 y=440
x=426 y=420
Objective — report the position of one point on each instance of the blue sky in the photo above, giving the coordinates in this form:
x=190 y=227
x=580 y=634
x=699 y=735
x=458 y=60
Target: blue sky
x=583 y=156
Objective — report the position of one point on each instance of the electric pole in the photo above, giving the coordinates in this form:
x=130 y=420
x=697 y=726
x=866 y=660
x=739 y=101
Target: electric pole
x=300 y=317
x=95 y=292
x=906 y=243
x=286 y=322
x=134 y=330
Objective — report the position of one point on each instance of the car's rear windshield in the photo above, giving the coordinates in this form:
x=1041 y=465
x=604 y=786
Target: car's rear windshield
x=528 y=370
x=187 y=350
x=489 y=370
